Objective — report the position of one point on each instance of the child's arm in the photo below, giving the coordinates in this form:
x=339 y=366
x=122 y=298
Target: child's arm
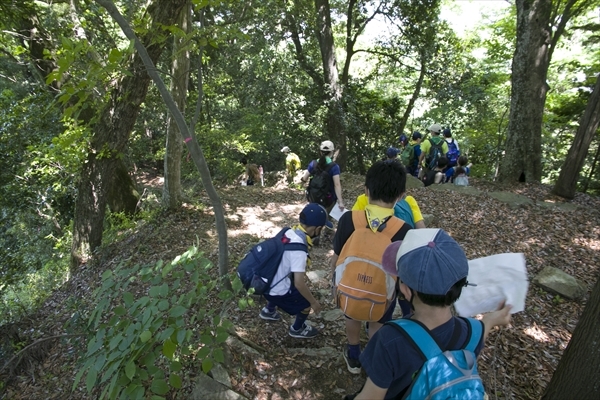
x=300 y=283
x=416 y=212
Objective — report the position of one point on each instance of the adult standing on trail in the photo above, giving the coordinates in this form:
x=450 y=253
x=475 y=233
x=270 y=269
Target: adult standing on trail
x=432 y=149
x=324 y=187
x=292 y=163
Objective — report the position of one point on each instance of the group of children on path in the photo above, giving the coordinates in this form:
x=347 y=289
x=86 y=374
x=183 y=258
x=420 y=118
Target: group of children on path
x=382 y=255
x=434 y=160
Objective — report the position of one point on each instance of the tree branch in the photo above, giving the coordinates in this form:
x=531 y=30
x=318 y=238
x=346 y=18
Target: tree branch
x=26 y=348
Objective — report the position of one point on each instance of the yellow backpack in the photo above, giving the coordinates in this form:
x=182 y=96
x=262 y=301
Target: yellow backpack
x=364 y=289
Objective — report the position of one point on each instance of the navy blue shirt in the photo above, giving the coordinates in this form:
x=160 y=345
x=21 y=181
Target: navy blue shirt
x=390 y=360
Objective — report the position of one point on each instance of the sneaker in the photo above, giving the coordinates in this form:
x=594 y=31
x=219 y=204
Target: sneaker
x=268 y=315
x=306 y=332
x=352 y=363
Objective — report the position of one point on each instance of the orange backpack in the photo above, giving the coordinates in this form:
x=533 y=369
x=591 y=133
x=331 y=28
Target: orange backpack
x=364 y=289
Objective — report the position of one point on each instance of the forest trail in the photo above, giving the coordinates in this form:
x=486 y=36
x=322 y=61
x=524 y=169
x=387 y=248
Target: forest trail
x=517 y=363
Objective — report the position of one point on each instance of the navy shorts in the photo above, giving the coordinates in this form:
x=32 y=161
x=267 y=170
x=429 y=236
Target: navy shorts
x=292 y=303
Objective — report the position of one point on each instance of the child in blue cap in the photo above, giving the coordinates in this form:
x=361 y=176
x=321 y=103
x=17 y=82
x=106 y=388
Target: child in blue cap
x=293 y=295
x=432 y=269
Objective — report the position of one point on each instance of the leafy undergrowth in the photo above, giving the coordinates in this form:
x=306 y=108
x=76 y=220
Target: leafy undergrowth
x=517 y=363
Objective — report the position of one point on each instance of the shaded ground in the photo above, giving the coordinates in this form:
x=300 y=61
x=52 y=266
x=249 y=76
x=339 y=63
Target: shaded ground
x=517 y=363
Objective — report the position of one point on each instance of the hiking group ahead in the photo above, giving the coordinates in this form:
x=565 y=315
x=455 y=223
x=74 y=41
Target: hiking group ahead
x=383 y=255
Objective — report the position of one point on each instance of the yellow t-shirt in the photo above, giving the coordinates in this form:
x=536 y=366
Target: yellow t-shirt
x=414 y=207
x=363 y=200
x=292 y=162
x=426 y=145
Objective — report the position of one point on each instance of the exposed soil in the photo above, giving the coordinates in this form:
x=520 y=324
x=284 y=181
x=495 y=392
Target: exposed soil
x=517 y=363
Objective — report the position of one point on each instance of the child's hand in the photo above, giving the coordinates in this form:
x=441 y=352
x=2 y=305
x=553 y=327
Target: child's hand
x=499 y=317
x=316 y=307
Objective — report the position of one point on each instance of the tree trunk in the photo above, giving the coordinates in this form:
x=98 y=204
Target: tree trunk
x=528 y=92
x=180 y=71
x=578 y=374
x=415 y=95
x=111 y=134
x=188 y=138
x=566 y=185
x=335 y=126
x=592 y=170
x=123 y=195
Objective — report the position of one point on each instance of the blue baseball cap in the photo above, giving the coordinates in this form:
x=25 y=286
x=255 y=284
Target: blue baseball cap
x=315 y=215
x=417 y=135
x=427 y=260
x=391 y=152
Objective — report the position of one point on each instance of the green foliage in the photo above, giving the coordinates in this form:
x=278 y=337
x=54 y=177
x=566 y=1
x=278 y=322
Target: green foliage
x=139 y=339
x=37 y=171
x=557 y=300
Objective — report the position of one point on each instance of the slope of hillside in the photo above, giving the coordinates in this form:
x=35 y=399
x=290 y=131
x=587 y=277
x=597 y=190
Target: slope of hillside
x=517 y=363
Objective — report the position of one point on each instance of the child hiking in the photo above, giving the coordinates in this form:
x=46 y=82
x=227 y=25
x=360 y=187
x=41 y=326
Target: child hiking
x=451 y=173
x=290 y=292
x=436 y=175
x=362 y=289
x=251 y=174
x=432 y=269
x=292 y=163
x=410 y=154
x=406 y=209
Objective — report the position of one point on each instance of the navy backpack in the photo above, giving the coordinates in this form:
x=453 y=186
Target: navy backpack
x=258 y=268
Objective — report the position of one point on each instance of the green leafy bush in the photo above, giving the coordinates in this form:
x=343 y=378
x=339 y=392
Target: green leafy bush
x=139 y=342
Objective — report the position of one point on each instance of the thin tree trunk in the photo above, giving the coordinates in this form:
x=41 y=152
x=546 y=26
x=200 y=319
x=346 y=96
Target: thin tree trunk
x=415 y=95
x=592 y=170
x=566 y=185
x=180 y=71
x=528 y=92
x=111 y=134
x=578 y=374
x=499 y=145
x=335 y=126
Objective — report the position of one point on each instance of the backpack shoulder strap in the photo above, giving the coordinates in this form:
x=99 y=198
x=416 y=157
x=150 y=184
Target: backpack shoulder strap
x=390 y=227
x=474 y=335
x=289 y=246
x=359 y=219
x=330 y=166
x=418 y=335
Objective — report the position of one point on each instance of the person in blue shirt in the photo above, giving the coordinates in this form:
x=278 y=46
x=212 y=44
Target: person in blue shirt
x=463 y=162
x=432 y=269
